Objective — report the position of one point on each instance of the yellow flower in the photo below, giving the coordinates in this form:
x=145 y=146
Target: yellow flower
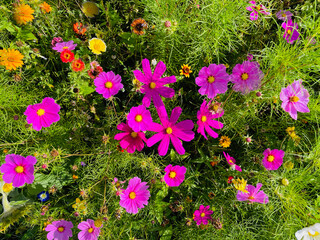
x=90 y=9
x=98 y=223
x=240 y=184
x=23 y=13
x=45 y=7
x=11 y=59
x=185 y=70
x=224 y=142
x=7 y=187
x=290 y=131
x=97 y=46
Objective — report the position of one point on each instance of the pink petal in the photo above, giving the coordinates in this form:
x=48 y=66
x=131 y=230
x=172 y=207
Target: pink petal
x=177 y=144
x=164 y=145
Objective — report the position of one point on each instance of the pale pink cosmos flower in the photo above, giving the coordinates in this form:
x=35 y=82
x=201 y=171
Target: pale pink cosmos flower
x=139 y=118
x=203 y=215
x=295 y=99
x=256 y=9
x=174 y=175
x=18 y=170
x=153 y=84
x=213 y=80
x=130 y=139
x=273 y=159
x=135 y=196
x=61 y=46
x=88 y=230
x=232 y=162
x=284 y=15
x=108 y=84
x=291 y=33
x=253 y=194
x=170 y=130
x=59 y=230
x=205 y=120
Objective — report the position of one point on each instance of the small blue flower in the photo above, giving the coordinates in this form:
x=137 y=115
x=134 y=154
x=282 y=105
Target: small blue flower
x=83 y=164
x=43 y=196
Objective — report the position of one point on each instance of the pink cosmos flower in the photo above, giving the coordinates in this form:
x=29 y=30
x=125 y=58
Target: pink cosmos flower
x=108 y=84
x=153 y=84
x=273 y=159
x=255 y=9
x=291 y=33
x=88 y=230
x=253 y=194
x=18 y=170
x=60 y=46
x=169 y=130
x=135 y=196
x=174 y=175
x=130 y=139
x=139 y=118
x=205 y=120
x=295 y=99
x=43 y=114
x=203 y=215
x=59 y=230
x=213 y=80
x=284 y=15
x=232 y=162
x=246 y=77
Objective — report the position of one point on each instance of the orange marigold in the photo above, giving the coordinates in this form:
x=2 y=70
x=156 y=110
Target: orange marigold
x=23 y=13
x=138 y=25
x=11 y=58
x=45 y=7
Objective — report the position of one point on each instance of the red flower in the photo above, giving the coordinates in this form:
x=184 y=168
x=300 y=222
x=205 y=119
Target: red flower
x=230 y=179
x=66 y=56
x=80 y=30
x=77 y=65
x=94 y=72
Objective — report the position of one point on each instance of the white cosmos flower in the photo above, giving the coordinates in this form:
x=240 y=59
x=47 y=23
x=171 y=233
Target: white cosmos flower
x=309 y=233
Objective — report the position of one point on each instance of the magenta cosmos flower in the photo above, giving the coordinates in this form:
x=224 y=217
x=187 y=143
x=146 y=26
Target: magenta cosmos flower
x=273 y=159
x=18 y=170
x=174 y=175
x=232 y=162
x=295 y=99
x=130 y=139
x=253 y=194
x=60 y=46
x=169 y=130
x=203 y=215
x=284 y=15
x=108 y=84
x=43 y=114
x=246 y=77
x=205 y=120
x=139 y=118
x=59 y=230
x=213 y=80
x=255 y=9
x=291 y=33
x=153 y=84
x=88 y=230
x=135 y=196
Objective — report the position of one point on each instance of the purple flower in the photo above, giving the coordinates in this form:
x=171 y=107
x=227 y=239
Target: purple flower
x=60 y=46
x=169 y=130
x=284 y=15
x=18 y=170
x=253 y=194
x=232 y=162
x=88 y=230
x=108 y=84
x=273 y=159
x=291 y=33
x=153 y=84
x=59 y=230
x=56 y=40
x=249 y=56
x=205 y=120
x=139 y=118
x=203 y=215
x=174 y=175
x=255 y=9
x=213 y=80
x=295 y=99
x=246 y=77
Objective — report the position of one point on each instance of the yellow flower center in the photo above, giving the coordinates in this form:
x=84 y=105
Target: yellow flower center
x=270 y=158
x=90 y=230
x=61 y=229
x=251 y=197
x=169 y=130
x=284 y=15
x=19 y=169
x=204 y=118
x=132 y=195
x=172 y=174
x=244 y=76
x=138 y=118
x=40 y=112
x=313 y=235
x=43 y=195
x=258 y=8
x=109 y=84
x=65 y=48
x=211 y=79
x=134 y=134
x=294 y=99
x=202 y=214
x=289 y=32
x=152 y=85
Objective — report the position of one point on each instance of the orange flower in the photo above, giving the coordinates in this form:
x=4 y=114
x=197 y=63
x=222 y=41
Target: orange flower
x=23 y=13
x=45 y=7
x=79 y=29
x=77 y=65
x=138 y=25
x=185 y=70
x=67 y=56
x=11 y=58
x=75 y=177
